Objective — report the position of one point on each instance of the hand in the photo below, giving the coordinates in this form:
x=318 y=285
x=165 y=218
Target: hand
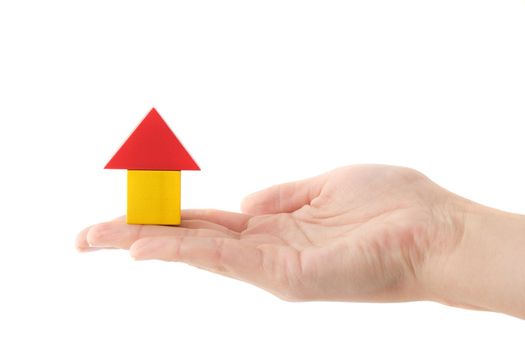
x=360 y=233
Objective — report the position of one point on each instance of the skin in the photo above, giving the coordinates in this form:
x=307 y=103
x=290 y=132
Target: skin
x=358 y=233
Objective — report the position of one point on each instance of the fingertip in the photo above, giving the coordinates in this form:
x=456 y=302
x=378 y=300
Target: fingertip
x=81 y=240
x=98 y=235
x=254 y=204
x=134 y=251
x=141 y=249
x=85 y=239
x=93 y=235
x=246 y=205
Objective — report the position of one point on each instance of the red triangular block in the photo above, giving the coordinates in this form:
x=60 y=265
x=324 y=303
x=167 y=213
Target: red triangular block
x=152 y=146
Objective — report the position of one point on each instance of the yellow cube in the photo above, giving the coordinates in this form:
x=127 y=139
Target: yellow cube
x=153 y=197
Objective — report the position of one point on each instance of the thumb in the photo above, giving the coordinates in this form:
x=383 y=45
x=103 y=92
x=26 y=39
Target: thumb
x=283 y=198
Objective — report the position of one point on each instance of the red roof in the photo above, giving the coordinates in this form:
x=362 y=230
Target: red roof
x=152 y=146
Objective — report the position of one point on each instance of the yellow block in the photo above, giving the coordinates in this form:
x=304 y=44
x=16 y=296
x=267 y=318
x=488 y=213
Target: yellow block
x=153 y=197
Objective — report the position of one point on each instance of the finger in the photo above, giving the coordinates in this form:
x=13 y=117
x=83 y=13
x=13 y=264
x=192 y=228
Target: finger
x=82 y=244
x=115 y=234
x=231 y=256
x=81 y=239
x=284 y=198
x=233 y=221
x=271 y=267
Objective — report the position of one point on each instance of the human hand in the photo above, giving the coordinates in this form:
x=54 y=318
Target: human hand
x=359 y=233
x=356 y=233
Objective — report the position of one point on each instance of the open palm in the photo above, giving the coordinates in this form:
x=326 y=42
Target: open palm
x=356 y=233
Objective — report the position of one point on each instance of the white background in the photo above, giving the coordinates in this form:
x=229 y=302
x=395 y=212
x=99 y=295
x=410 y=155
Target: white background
x=259 y=92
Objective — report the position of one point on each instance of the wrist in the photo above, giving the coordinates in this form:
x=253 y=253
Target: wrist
x=486 y=268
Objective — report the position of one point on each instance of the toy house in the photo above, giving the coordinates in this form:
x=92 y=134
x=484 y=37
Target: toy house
x=154 y=158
